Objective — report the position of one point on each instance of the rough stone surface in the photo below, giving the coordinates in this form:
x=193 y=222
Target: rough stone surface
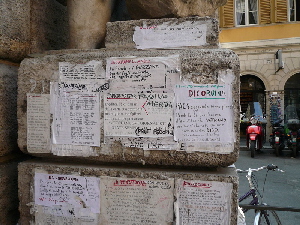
x=8 y=107
x=193 y=63
x=27 y=26
x=87 y=21
x=9 y=193
x=144 y=9
x=120 y=33
x=27 y=171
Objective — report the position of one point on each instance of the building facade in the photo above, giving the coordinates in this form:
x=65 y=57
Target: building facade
x=266 y=36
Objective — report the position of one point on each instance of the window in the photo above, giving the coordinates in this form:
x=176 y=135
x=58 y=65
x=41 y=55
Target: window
x=294 y=10
x=246 y=12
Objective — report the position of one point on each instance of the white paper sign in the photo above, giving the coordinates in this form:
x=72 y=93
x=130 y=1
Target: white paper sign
x=64 y=190
x=87 y=72
x=76 y=119
x=38 y=123
x=136 y=201
x=138 y=115
x=170 y=35
x=133 y=73
x=203 y=202
x=204 y=113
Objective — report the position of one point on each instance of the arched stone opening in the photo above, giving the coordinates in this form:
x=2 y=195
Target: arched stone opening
x=292 y=93
x=252 y=90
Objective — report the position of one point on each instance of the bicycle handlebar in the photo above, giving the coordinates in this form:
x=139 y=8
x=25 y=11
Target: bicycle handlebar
x=249 y=171
x=268 y=167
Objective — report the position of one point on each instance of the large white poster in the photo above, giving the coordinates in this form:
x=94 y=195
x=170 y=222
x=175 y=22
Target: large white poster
x=170 y=35
x=203 y=113
x=130 y=201
x=203 y=202
x=65 y=190
x=75 y=105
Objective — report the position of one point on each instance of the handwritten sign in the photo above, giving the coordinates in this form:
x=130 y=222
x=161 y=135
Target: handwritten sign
x=138 y=115
x=170 y=35
x=203 y=202
x=203 y=113
x=134 y=73
x=64 y=190
x=38 y=123
x=136 y=201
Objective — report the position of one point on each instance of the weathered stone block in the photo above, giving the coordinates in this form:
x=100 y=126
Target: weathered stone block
x=152 y=135
x=59 y=192
x=29 y=26
x=8 y=107
x=144 y=9
x=167 y=31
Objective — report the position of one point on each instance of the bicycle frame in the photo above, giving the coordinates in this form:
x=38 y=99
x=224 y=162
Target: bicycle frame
x=252 y=193
x=259 y=214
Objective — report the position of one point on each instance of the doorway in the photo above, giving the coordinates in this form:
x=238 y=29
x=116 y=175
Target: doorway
x=252 y=90
x=292 y=93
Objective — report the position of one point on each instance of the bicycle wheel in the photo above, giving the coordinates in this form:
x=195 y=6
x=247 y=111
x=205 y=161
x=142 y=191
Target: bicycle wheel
x=269 y=217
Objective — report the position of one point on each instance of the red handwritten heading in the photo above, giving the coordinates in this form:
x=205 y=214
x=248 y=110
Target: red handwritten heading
x=130 y=183
x=50 y=177
x=195 y=184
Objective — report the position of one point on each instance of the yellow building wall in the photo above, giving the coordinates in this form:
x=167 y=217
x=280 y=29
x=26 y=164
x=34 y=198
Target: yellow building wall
x=251 y=33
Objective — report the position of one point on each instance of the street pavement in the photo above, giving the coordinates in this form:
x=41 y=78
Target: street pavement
x=281 y=189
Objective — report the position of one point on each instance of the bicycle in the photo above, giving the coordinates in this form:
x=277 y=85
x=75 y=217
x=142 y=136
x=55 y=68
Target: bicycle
x=262 y=214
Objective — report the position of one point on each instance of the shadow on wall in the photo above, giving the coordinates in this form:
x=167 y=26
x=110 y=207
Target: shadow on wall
x=120 y=12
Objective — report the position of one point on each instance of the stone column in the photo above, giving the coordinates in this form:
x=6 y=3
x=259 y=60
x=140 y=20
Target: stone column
x=87 y=21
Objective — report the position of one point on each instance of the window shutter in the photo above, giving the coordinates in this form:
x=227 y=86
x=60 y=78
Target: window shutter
x=281 y=11
x=227 y=12
x=265 y=11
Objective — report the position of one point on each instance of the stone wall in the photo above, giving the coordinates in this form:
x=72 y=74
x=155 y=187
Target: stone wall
x=120 y=33
x=134 y=174
x=200 y=66
x=124 y=194
x=28 y=27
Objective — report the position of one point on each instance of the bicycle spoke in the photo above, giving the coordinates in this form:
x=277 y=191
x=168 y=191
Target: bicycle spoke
x=269 y=218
